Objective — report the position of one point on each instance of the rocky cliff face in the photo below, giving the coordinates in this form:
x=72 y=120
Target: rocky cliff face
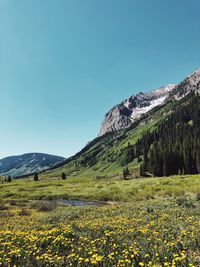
x=190 y=83
x=123 y=115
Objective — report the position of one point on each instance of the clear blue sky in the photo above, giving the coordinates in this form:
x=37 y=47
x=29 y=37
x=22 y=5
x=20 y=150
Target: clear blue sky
x=64 y=63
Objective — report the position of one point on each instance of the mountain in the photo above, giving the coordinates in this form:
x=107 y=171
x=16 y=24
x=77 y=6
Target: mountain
x=27 y=164
x=189 y=84
x=150 y=141
x=123 y=115
x=174 y=147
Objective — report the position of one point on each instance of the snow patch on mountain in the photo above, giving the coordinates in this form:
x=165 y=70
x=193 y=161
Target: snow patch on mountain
x=123 y=115
x=137 y=112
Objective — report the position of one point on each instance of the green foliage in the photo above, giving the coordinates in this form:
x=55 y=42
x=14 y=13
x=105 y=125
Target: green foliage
x=150 y=209
x=36 y=177
x=174 y=146
x=44 y=205
x=198 y=196
x=9 y=179
x=63 y=176
x=127 y=155
x=102 y=189
x=24 y=212
x=185 y=202
x=126 y=172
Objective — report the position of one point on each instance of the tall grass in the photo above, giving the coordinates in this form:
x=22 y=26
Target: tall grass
x=105 y=189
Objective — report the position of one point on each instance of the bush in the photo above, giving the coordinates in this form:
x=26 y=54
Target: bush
x=125 y=173
x=63 y=176
x=150 y=209
x=184 y=202
x=9 y=179
x=3 y=207
x=198 y=196
x=44 y=205
x=24 y=212
x=36 y=178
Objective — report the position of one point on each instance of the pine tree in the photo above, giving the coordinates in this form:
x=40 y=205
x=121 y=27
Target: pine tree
x=63 y=176
x=198 y=161
x=126 y=172
x=174 y=146
x=36 y=178
x=141 y=169
x=9 y=179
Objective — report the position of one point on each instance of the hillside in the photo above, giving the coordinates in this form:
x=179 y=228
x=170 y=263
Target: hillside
x=27 y=164
x=174 y=147
x=108 y=154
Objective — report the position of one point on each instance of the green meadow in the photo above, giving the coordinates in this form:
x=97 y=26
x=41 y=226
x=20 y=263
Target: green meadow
x=101 y=189
x=144 y=222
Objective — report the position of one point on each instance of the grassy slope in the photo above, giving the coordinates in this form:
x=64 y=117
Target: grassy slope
x=102 y=167
x=107 y=149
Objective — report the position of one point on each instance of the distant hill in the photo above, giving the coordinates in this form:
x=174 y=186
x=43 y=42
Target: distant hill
x=27 y=164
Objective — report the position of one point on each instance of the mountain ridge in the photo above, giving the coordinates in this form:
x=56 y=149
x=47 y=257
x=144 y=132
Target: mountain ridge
x=27 y=163
x=122 y=115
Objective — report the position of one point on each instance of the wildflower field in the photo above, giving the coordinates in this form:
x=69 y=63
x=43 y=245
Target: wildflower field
x=153 y=232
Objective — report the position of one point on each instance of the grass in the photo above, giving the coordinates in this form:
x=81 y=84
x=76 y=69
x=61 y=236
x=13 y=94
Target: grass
x=153 y=222
x=145 y=233
x=103 y=189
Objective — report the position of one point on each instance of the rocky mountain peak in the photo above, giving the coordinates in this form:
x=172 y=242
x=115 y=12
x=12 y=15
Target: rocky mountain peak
x=123 y=115
x=190 y=83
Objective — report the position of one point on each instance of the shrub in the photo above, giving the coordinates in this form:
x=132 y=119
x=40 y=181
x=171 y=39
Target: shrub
x=44 y=205
x=150 y=209
x=9 y=179
x=198 y=196
x=3 y=207
x=24 y=212
x=184 y=202
x=125 y=173
x=63 y=176
x=36 y=178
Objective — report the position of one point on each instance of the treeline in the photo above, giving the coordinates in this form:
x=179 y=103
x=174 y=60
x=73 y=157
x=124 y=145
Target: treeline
x=174 y=147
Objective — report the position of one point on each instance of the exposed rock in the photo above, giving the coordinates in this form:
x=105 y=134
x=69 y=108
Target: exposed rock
x=123 y=115
x=190 y=83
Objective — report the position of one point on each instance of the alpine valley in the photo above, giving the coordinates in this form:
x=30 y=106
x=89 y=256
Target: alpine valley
x=90 y=210
x=130 y=195
x=151 y=134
